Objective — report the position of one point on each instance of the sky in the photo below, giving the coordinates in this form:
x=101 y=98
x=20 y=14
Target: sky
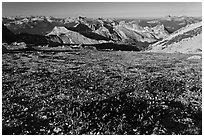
x=102 y=9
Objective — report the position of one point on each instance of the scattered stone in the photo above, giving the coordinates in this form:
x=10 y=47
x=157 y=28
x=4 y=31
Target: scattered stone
x=194 y=57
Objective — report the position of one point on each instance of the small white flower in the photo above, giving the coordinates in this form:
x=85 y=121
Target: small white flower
x=25 y=109
x=57 y=130
x=44 y=117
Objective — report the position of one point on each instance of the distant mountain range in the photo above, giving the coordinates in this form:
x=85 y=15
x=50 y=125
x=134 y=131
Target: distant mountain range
x=52 y=31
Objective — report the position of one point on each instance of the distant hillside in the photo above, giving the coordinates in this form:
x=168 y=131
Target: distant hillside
x=185 y=40
x=171 y=23
x=34 y=39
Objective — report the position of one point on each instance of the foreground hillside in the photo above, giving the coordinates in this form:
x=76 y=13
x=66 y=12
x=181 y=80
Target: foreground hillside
x=96 y=92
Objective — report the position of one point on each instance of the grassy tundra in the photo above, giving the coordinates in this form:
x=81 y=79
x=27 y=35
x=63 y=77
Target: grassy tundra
x=101 y=92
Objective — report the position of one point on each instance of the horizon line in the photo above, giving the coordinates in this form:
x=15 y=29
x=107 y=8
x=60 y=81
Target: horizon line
x=99 y=16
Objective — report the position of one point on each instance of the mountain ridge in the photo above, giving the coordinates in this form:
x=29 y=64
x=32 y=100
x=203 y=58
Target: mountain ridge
x=82 y=30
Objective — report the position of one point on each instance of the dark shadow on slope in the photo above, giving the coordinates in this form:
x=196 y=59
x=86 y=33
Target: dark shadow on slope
x=87 y=32
x=35 y=39
x=95 y=36
x=113 y=46
x=7 y=35
x=102 y=46
x=32 y=39
x=28 y=50
x=39 y=39
x=117 y=46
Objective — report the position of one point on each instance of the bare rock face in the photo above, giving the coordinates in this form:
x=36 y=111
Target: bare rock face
x=71 y=37
x=186 y=40
x=159 y=31
x=103 y=31
x=134 y=32
x=133 y=36
x=53 y=40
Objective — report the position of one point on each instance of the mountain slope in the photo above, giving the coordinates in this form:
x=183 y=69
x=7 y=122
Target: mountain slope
x=97 y=29
x=57 y=31
x=34 y=39
x=186 y=40
x=132 y=32
x=71 y=37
